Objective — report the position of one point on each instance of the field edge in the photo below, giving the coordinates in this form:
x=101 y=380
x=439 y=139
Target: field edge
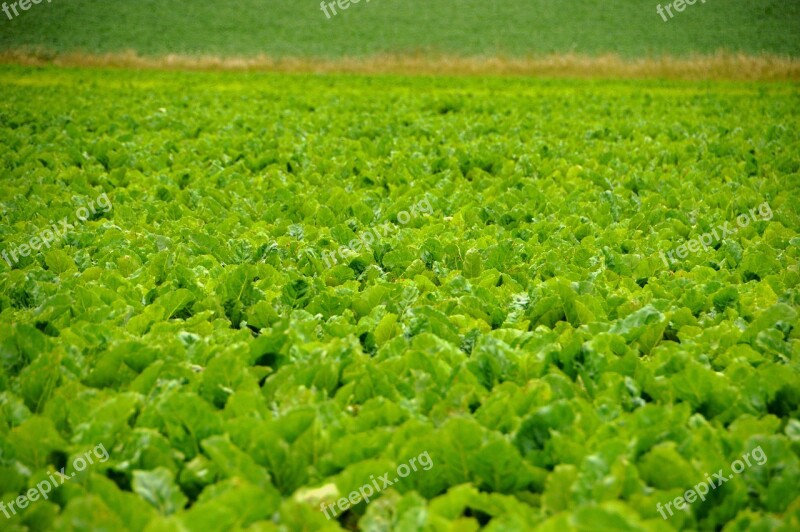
x=719 y=66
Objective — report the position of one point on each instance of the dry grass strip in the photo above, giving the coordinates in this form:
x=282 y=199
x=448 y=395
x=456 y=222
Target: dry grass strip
x=720 y=66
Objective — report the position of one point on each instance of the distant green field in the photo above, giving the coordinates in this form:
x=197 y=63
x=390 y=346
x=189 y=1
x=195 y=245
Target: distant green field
x=631 y=28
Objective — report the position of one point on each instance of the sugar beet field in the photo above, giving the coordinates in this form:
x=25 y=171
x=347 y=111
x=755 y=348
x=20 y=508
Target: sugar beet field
x=297 y=302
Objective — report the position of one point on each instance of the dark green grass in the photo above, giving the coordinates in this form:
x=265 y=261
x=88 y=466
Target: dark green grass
x=468 y=27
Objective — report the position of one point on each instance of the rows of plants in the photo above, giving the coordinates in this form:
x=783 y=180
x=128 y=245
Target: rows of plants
x=525 y=332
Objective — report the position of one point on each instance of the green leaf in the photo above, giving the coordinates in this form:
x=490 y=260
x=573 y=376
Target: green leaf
x=159 y=489
x=175 y=302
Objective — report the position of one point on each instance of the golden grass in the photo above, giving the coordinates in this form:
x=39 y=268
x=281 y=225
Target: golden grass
x=720 y=66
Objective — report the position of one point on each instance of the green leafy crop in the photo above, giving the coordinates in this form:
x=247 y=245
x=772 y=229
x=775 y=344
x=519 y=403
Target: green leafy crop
x=525 y=332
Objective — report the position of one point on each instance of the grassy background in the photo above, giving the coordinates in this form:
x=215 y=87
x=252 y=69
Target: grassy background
x=282 y=28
